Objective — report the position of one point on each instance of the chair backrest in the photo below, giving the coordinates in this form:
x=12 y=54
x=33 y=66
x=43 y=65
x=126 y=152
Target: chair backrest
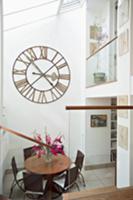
x=79 y=160
x=28 y=152
x=14 y=167
x=70 y=177
x=33 y=182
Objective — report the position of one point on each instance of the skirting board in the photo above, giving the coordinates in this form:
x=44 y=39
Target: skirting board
x=9 y=171
x=99 y=166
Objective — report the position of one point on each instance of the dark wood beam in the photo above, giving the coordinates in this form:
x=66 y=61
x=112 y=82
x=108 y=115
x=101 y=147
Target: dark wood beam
x=130 y=107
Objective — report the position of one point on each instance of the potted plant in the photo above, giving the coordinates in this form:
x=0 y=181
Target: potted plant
x=99 y=77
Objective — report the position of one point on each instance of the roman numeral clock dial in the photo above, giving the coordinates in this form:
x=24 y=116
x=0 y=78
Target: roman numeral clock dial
x=41 y=74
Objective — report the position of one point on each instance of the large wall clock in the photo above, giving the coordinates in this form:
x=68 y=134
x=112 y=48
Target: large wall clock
x=41 y=74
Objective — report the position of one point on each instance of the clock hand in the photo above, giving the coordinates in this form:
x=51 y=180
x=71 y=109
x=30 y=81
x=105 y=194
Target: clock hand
x=48 y=69
x=37 y=79
x=52 y=66
x=53 y=76
x=48 y=81
x=32 y=62
x=37 y=68
x=36 y=73
x=43 y=74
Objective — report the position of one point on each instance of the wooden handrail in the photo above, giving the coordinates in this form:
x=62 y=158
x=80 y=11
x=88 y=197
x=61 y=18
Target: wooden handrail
x=128 y=107
x=102 y=47
x=105 y=193
x=23 y=136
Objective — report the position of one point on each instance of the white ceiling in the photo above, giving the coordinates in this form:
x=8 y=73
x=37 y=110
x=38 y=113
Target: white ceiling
x=10 y=6
x=13 y=6
x=18 y=13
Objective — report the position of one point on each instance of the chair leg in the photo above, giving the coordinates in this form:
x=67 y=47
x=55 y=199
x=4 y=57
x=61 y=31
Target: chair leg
x=11 y=190
x=83 y=179
x=77 y=186
x=56 y=188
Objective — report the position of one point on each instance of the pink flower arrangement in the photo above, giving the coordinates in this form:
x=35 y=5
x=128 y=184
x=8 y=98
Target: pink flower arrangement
x=56 y=146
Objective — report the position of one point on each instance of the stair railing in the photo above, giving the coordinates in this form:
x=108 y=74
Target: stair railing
x=102 y=47
x=23 y=136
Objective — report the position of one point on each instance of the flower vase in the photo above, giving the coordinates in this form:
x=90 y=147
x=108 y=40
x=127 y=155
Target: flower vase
x=48 y=156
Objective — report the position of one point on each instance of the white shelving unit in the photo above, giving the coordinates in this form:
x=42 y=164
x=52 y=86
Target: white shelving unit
x=113 y=137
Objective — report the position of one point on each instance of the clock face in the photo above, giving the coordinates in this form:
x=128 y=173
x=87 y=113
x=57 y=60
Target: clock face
x=41 y=74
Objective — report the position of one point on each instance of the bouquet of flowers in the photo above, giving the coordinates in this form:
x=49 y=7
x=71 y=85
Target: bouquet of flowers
x=54 y=147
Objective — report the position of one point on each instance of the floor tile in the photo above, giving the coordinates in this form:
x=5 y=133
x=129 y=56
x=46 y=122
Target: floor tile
x=90 y=176
x=94 y=184
x=104 y=173
x=108 y=182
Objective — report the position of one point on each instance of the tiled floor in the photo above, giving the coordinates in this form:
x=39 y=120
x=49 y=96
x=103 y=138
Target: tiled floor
x=100 y=177
x=94 y=179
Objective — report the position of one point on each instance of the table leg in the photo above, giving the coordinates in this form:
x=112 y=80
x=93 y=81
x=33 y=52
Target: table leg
x=50 y=189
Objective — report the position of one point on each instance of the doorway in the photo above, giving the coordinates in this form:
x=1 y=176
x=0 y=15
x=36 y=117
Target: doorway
x=101 y=141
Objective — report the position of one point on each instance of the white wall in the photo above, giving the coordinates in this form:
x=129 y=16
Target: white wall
x=130 y=156
x=63 y=33
x=1 y=168
x=97 y=148
x=3 y=135
x=83 y=80
x=1 y=29
x=123 y=155
x=131 y=99
x=76 y=119
x=131 y=145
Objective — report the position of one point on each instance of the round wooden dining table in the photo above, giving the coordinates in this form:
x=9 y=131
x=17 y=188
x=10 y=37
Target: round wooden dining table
x=49 y=170
x=59 y=164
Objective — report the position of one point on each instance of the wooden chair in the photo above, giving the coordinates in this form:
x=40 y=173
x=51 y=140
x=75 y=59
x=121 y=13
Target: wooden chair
x=34 y=185
x=28 y=152
x=79 y=163
x=18 y=177
x=69 y=180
